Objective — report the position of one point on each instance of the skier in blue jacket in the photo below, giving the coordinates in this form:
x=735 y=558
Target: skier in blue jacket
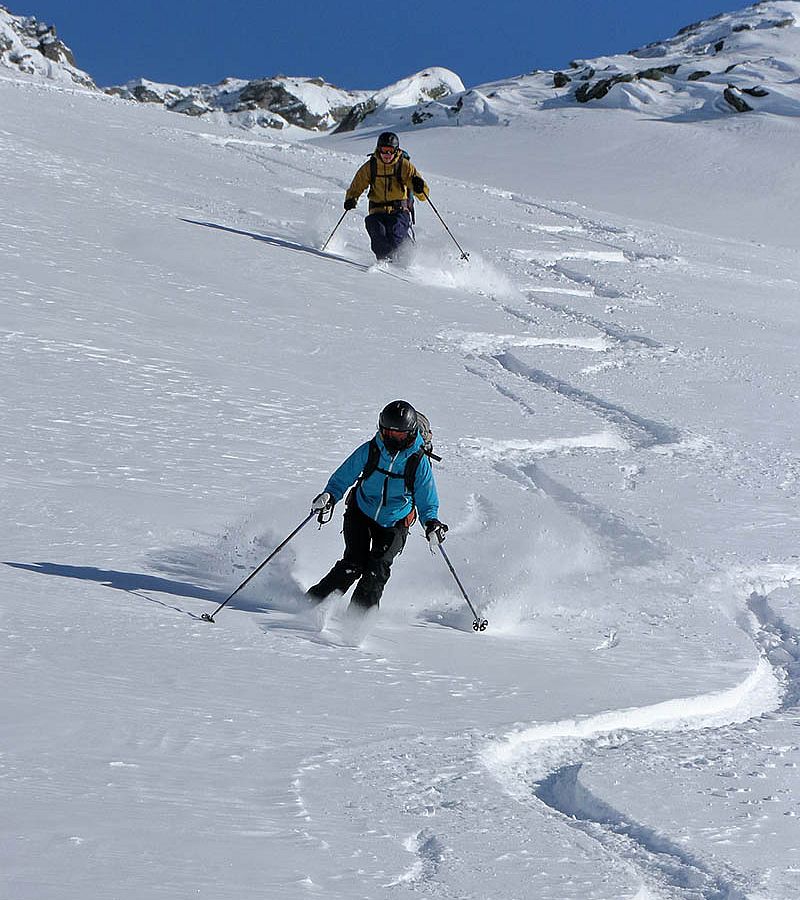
x=393 y=484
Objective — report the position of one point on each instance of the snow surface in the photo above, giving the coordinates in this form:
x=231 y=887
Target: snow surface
x=612 y=382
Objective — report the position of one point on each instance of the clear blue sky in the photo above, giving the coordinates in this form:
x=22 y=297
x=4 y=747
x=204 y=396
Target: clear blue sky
x=351 y=44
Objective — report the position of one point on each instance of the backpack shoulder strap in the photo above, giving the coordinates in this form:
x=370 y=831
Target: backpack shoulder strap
x=373 y=169
x=410 y=474
x=373 y=458
x=398 y=169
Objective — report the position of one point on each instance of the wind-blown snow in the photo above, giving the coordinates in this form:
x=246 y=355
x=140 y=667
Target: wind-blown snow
x=611 y=380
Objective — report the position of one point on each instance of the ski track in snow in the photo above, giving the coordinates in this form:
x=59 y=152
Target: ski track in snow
x=342 y=795
x=544 y=762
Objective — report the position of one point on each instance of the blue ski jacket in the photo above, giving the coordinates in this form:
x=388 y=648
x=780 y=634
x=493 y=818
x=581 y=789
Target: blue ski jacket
x=381 y=497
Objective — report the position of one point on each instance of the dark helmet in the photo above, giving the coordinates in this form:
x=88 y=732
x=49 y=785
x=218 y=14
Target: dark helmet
x=388 y=139
x=398 y=425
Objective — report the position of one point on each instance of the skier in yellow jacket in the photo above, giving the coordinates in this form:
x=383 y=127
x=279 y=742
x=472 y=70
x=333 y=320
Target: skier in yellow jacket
x=392 y=179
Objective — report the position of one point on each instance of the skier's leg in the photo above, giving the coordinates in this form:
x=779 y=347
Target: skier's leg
x=380 y=240
x=386 y=544
x=397 y=230
x=356 y=552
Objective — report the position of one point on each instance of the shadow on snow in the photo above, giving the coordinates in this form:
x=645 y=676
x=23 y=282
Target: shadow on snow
x=282 y=242
x=130 y=582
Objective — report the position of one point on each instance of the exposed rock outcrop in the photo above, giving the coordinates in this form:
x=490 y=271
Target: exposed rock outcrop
x=33 y=48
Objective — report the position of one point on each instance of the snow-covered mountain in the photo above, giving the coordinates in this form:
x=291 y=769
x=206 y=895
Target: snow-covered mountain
x=32 y=47
x=281 y=101
x=388 y=104
x=735 y=62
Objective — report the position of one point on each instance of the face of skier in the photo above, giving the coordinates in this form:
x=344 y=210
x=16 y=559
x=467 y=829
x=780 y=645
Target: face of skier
x=395 y=440
x=386 y=153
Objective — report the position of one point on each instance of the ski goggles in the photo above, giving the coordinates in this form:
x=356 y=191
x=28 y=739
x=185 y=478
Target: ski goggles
x=385 y=150
x=394 y=435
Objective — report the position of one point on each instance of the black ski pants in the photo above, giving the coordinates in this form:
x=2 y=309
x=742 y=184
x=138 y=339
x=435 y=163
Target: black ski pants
x=369 y=550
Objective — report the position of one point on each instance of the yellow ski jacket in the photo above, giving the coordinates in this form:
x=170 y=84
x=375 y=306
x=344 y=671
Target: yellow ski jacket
x=392 y=184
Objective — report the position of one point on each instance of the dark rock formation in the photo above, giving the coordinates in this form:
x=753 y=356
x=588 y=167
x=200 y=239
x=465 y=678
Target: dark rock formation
x=733 y=97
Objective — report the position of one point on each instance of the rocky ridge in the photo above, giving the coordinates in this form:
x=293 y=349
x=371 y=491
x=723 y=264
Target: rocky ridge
x=281 y=101
x=278 y=102
x=33 y=48
x=733 y=63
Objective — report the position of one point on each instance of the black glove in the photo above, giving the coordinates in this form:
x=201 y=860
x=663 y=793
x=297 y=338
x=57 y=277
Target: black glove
x=350 y=203
x=418 y=184
x=435 y=531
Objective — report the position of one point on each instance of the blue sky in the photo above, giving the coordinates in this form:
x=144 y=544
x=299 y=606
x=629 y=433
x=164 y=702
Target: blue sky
x=351 y=44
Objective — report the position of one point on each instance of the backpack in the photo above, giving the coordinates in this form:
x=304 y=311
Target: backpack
x=373 y=174
x=409 y=475
x=424 y=426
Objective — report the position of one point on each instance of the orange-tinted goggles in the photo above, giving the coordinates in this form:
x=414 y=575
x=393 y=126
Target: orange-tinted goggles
x=384 y=150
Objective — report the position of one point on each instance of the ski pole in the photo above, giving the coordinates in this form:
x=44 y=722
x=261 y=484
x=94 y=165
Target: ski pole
x=464 y=254
x=479 y=624
x=210 y=618
x=334 y=230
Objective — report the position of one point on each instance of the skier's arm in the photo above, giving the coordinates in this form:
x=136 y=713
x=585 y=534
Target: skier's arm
x=347 y=473
x=414 y=180
x=425 y=493
x=359 y=183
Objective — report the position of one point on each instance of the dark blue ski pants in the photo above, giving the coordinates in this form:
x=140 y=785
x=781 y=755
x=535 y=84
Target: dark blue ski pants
x=387 y=231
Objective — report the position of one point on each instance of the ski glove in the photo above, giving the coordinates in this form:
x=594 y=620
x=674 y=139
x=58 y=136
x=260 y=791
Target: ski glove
x=322 y=502
x=435 y=531
x=350 y=203
x=418 y=184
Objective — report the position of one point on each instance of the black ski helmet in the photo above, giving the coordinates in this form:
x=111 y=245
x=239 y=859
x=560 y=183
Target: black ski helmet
x=398 y=416
x=397 y=424
x=388 y=139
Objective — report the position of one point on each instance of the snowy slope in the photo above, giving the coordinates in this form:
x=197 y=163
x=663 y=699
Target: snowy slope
x=612 y=383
